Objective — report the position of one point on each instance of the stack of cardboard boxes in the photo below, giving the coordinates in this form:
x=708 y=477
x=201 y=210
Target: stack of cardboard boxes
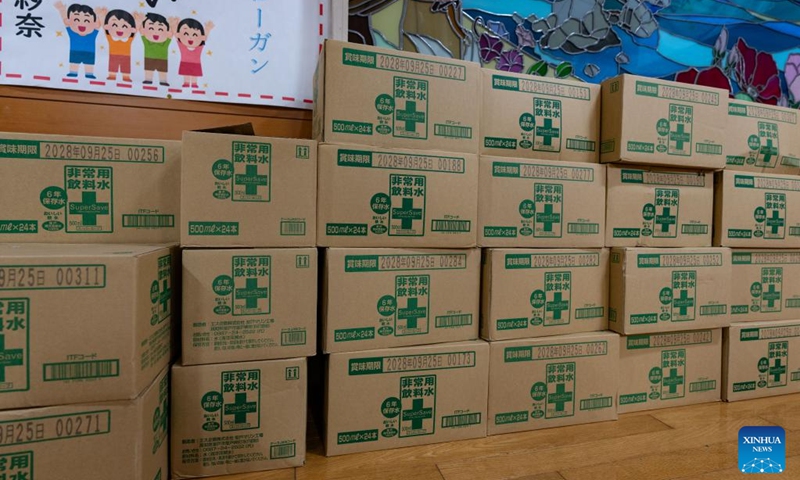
x=249 y=304
x=398 y=205
x=86 y=330
x=758 y=216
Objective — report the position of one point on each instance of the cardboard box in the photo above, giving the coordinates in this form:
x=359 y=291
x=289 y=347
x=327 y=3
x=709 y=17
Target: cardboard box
x=765 y=285
x=541 y=204
x=238 y=417
x=757 y=210
x=657 y=122
x=82 y=323
x=124 y=440
x=658 y=290
x=661 y=370
x=249 y=304
x=552 y=382
x=761 y=359
x=762 y=138
x=396 y=198
x=399 y=397
x=538 y=293
x=62 y=189
x=395 y=99
x=380 y=298
x=657 y=207
x=247 y=191
x=539 y=118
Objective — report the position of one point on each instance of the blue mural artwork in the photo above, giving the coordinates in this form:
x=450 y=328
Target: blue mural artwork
x=749 y=47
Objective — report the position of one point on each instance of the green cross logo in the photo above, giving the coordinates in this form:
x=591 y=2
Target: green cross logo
x=680 y=136
x=251 y=180
x=557 y=306
x=548 y=132
x=240 y=408
x=165 y=296
x=673 y=384
x=410 y=116
x=778 y=357
x=12 y=357
x=407 y=214
x=768 y=151
x=777 y=371
x=412 y=294
x=417 y=414
x=251 y=293
x=548 y=120
x=252 y=284
x=560 y=398
x=558 y=288
x=89 y=208
x=683 y=295
x=673 y=381
x=775 y=222
x=413 y=94
x=406 y=206
x=417 y=406
x=548 y=217
x=771 y=296
x=412 y=313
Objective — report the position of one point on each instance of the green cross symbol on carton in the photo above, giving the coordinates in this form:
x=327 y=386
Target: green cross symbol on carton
x=165 y=296
x=10 y=358
x=680 y=136
x=777 y=370
x=412 y=313
x=560 y=398
x=666 y=219
x=768 y=151
x=411 y=116
x=683 y=302
x=240 y=408
x=407 y=213
x=417 y=413
x=548 y=132
x=251 y=180
x=775 y=222
x=771 y=296
x=548 y=218
x=673 y=380
x=558 y=305
x=251 y=293
x=89 y=208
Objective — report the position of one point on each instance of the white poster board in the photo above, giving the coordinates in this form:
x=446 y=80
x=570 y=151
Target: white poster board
x=254 y=51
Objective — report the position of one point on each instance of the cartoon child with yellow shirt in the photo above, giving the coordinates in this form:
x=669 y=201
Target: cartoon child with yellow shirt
x=120 y=27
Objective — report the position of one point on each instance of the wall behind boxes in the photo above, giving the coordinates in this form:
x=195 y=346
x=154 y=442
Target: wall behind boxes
x=62 y=112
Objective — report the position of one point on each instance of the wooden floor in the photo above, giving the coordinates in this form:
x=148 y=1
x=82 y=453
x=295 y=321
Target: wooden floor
x=696 y=442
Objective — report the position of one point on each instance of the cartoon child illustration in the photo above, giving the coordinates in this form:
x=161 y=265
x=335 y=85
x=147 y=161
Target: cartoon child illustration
x=120 y=27
x=156 y=32
x=192 y=36
x=82 y=27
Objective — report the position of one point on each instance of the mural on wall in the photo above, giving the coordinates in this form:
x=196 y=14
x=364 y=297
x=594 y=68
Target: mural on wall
x=749 y=47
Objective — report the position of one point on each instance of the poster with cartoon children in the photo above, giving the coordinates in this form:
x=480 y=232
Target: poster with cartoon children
x=241 y=51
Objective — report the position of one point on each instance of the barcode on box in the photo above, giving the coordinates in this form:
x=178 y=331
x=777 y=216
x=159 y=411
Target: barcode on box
x=462 y=420
x=694 y=229
x=703 y=386
x=148 y=221
x=583 y=228
x=293 y=228
x=595 y=403
x=794 y=231
x=450 y=225
x=282 y=451
x=793 y=303
x=454 y=320
x=454 y=131
x=581 y=145
x=709 y=148
x=714 y=310
x=293 y=338
x=56 y=372
x=594 y=312
x=796 y=376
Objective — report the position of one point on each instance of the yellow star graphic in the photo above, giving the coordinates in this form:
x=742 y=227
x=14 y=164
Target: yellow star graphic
x=102 y=47
x=141 y=4
x=205 y=85
x=174 y=51
x=138 y=63
x=209 y=53
x=59 y=33
x=60 y=64
x=194 y=12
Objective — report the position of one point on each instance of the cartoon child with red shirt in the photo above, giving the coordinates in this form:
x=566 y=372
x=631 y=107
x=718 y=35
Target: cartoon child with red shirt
x=192 y=36
x=83 y=24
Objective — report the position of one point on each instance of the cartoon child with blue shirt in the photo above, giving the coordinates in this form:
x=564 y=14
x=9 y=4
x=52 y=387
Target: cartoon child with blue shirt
x=83 y=24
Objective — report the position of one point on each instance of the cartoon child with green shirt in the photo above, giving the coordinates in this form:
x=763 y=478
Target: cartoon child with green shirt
x=156 y=32
x=83 y=25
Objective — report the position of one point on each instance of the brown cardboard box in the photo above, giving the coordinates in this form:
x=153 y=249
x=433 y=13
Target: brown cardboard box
x=249 y=304
x=657 y=207
x=757 y=210
x=539 y=118
x=60 y=189
x=541 y=204
x=395 y=99
x=657 y=122
x=238 y=417
x=123 y=440
x=761 y=359
x=82 y=323
x=661 y=370
x=396 y=198
x=657 y=290
x=380 y=298
x=246 y=191
x=538 y=293
x=762 y=138
x=399 y=397
x=765 y=285
x=552 y=382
